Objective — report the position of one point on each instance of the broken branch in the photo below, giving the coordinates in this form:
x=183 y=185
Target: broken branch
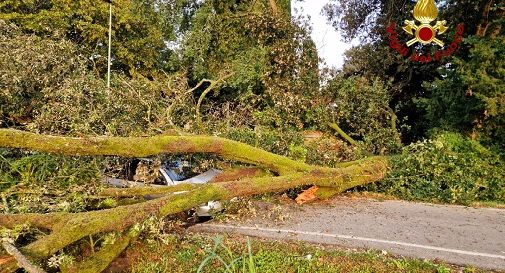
x=23 y=262
x=341 y=132
x=68 y=228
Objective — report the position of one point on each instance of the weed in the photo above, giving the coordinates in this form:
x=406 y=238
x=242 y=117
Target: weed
x=242 y=263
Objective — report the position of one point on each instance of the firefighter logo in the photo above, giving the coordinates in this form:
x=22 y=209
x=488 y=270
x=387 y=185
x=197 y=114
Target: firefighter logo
x=425 y=32
x=425 y=12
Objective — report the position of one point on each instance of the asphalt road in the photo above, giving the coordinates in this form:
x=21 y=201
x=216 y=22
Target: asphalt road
x=455 y=234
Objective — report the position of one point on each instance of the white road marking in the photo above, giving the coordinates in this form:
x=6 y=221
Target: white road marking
x=348 y=237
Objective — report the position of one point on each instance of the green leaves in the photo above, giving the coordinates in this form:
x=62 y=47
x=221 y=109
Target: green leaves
x=361 y=109
x=139 y=29
x=471 y=95
x=450 y=168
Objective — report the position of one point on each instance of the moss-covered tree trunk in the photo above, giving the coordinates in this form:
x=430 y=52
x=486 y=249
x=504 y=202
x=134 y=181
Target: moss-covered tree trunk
x=67 y=228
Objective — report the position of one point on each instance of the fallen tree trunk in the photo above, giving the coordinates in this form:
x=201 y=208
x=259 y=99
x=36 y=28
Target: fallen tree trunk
x=67 y=228
x=150 y=146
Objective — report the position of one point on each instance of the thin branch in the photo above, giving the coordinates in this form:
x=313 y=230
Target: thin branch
x=273 y=7
x=213 y=85
x=341 y=132
x=23 y=262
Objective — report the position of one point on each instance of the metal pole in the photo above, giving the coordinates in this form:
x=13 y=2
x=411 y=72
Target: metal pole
x=110 y=43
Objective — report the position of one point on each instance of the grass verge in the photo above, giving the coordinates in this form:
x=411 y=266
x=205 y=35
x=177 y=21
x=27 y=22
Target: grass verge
x=186 y=254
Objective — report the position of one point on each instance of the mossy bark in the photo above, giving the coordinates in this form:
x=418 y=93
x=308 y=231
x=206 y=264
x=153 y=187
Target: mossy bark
x=146 y=191
x=150 y=146
x=101 y=260
x=67 y=228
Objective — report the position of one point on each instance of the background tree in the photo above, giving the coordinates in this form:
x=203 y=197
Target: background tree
x=272 y=60
x=141 y=29
x=367 y=21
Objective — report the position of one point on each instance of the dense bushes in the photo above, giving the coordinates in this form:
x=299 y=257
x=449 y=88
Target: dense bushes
x=450 y=168
x=46 y=87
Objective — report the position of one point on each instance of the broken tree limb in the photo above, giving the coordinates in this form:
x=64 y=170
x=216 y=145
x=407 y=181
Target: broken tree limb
x=101 y=260
x=240 y=173
x=341 y=132
x=22 y=261
x=45 y=221
x=143 y=191
x=73 y=227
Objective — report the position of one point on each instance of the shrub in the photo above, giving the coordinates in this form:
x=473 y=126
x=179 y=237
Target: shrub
x=449 y=168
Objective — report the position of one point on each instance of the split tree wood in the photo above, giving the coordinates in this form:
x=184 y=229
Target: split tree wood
x=67 y=228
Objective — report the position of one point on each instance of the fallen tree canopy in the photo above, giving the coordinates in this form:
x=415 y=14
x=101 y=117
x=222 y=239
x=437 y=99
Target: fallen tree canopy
x=67 y=228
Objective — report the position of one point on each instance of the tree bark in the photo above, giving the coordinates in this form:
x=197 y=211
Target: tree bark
x=484 y=23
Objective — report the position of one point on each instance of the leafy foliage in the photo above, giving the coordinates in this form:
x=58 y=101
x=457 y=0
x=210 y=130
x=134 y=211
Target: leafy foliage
x=28 y=66
x=471 y=95
x=367 y=22
x=140 y=28
x=272 y=61
x=361 y=108
x=33 y=182
x=450 y=168
x=46 y=87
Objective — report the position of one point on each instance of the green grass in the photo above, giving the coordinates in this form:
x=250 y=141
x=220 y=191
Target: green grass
x=188 y=254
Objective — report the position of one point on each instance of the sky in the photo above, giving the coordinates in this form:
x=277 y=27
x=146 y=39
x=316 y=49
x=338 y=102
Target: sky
x=328 y=41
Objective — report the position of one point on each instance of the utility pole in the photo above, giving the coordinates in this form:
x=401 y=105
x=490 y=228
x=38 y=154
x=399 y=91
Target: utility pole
x=110 y=43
